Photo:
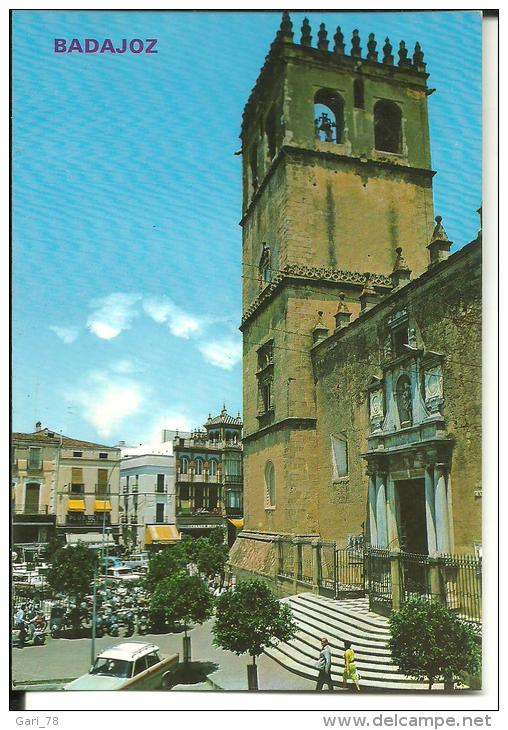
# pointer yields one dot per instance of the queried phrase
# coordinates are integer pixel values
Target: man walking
(324, 664)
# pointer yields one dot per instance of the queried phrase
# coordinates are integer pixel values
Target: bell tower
(336, 178)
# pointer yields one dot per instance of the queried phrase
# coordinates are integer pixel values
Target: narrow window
(265, 271)
(199, 466)
(340, 457)
(77, 485)
(387, 127)
(184, 465)
(102, 481)
(103, 455)
(399, 339)
(329, 116)
(159, 513)
(253, 159)
(213, 468)
(269, 485)
(34, 458)
(270, 134)
(358, 94)
(160, 483)
(77, 454)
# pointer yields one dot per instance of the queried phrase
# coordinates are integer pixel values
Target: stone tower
(336, 178)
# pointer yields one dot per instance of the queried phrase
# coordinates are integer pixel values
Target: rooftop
(47, 436)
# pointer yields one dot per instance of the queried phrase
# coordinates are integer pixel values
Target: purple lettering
(107, 46)
(123, 47)
(60, 45)
(75, 45)
(139, 46)
(89, 48)
(151, 43)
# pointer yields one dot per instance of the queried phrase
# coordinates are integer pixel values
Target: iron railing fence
(415, 575)
(350, 572)
(327, 568)
(304, 561)
(461, 580)
(378, 580)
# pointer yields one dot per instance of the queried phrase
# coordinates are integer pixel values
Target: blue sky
(127, 197)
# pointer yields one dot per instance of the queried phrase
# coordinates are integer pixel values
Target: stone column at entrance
(372, 509)
(381, 513)
(441, 501)
(393, 532)
(430, 512)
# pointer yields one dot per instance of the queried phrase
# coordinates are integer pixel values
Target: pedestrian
(350, 670)
(324, 665)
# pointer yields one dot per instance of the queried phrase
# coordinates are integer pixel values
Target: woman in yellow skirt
(350, 671)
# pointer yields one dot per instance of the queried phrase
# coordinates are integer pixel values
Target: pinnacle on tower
(387, 52)
(356, 50)
(343, 315)
(306, 39)
(404, 61)
(339, 42)
(322, 38)
(320, 331)
(439, 246)
(368, 297)
(401, 273)
(285, 32)
(418, 58)
(371, 46)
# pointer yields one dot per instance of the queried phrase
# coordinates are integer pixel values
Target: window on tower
(271, 138)
(387, 127)
(265, 270)
(358, 96)
(328, 116)
(253, 160)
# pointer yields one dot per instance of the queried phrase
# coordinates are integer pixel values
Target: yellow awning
(237, 523)
(161, 533)
(102, 505)
(76, 505)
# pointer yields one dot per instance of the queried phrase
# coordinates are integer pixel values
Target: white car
(130, 665)
(122, 573)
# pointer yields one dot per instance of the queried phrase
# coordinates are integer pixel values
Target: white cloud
(163, 311)
(223, 354)
(112, 314)
(66, 334)
(124, 367)
(106, 402)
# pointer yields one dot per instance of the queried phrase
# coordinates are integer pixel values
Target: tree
(428, 642)
(71, 572)
(250, 619)
(211, 557)
(166, 563)
(181, 598)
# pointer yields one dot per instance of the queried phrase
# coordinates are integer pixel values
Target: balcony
(234, 511)
(28, 510)
(265, 418)
(88, 520)
(204, 478)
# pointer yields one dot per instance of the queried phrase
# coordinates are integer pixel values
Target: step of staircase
(346, 619)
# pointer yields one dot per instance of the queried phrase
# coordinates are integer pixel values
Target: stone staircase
(350, 619)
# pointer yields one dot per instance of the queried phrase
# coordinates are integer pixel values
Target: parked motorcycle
(143, 622)
(32, 632)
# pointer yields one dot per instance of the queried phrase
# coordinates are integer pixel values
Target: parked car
(122, 573)
(137, 561)
(130, 665)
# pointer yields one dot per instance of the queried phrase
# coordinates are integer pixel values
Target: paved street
(65, 659)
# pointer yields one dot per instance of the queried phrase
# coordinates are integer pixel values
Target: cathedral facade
(362, 334)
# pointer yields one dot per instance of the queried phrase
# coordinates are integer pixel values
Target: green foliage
(209, 554)
(166, 563)
(216, 536)
(428, 642)
(56, 542)
(72, 570)
(251, 618)
(210, 557)
(181, 598)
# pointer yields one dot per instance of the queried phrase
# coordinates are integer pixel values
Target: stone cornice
(293, 424)
(302, 272)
